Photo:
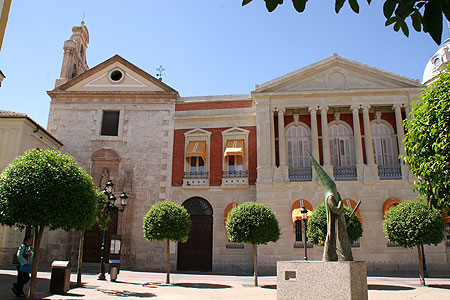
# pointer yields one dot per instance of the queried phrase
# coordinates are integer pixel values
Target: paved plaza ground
(142, 285)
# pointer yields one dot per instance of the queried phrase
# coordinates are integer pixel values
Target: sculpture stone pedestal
(321, 280)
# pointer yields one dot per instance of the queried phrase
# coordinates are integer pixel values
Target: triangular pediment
(116, 75)
(336, 73)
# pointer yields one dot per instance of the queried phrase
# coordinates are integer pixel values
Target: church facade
(212, 153)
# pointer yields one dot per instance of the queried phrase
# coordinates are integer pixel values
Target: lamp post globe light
(110, 207)
(304, 212)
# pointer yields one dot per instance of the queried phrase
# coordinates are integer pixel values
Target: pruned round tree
(316, 230)
(46, 189)
(413, 223)
(427, 142)
(253, 223)
(167, 221)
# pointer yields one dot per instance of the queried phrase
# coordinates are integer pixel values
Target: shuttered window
(384, 145)
(341, 146)
(298, 145)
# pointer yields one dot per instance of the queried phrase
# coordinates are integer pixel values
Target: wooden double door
(93, 239)
(196, 253)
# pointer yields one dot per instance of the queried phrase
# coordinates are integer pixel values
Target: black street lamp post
(111, 206)
(304, 212)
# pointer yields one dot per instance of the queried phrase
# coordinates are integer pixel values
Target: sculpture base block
(321, 280)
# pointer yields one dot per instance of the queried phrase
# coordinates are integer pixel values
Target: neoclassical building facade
(212, 153)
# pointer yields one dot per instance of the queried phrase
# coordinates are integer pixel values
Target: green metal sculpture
(337, 244)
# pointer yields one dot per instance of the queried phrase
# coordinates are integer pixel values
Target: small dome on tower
(436, 62)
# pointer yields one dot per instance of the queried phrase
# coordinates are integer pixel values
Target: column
(281, 138)
(272, 138)
(263, 140)
(325, 136)
(400, 137)
(314, 133)
(368, 136)
(399, 125)
(357, 135)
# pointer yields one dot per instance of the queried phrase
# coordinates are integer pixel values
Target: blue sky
(208, 47)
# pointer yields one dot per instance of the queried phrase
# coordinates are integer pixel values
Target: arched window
(352, 204)
(298, 144)
(389, 203)
(384, 145)
(298, 222)
(341, 146)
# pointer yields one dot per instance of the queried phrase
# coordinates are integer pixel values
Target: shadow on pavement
(383, 287)
(269, 286)
(440, 286)
(203, 285)
(126, 293)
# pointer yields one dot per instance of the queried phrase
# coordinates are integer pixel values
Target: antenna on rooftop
(82, 20)
(160, 74)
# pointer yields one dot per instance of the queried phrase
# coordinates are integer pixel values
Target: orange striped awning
(446, 217)
(234, 147)
(196, 148)
(297, 214)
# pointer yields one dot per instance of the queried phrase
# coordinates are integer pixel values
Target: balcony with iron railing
(195, 179)
(344, 173)
(300, 174)
(235, 178)
(390, 172)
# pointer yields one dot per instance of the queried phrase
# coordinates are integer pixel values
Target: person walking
(24, 258)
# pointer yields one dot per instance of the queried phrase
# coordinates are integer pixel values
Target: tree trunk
(421, 272)
(255, 266)
(80, 259)
(39, 232)
(168, 263)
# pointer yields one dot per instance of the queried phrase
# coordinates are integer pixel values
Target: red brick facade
(213, 105)
(216, 155)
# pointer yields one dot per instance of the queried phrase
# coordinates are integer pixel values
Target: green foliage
(167, 221)
(47, 188)
(425, 15)
(413, 223)
(102, 218)
(427, 142)
(316, 230)
(253, 223)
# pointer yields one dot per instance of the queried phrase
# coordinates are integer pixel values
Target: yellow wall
(16, 136)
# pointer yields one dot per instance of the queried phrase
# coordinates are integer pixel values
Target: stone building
(212, 153)
(18, 133)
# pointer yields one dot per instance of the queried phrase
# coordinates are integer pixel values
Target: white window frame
(197, 135)
(387, 157)
(304, 142)
(235, 133)
(342, 140)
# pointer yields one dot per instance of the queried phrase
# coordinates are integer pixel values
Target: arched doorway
(196, 253)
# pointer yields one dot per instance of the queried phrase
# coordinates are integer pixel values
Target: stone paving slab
(132, 285)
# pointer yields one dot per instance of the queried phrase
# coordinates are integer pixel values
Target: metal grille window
(110, 123)
(298, 231)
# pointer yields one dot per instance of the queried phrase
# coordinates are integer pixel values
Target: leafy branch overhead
(425, 15)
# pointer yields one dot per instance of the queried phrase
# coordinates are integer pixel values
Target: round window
(116, 75)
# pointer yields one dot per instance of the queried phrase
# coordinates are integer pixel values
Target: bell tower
(74, 61)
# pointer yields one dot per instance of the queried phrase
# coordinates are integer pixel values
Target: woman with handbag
(24, 258)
